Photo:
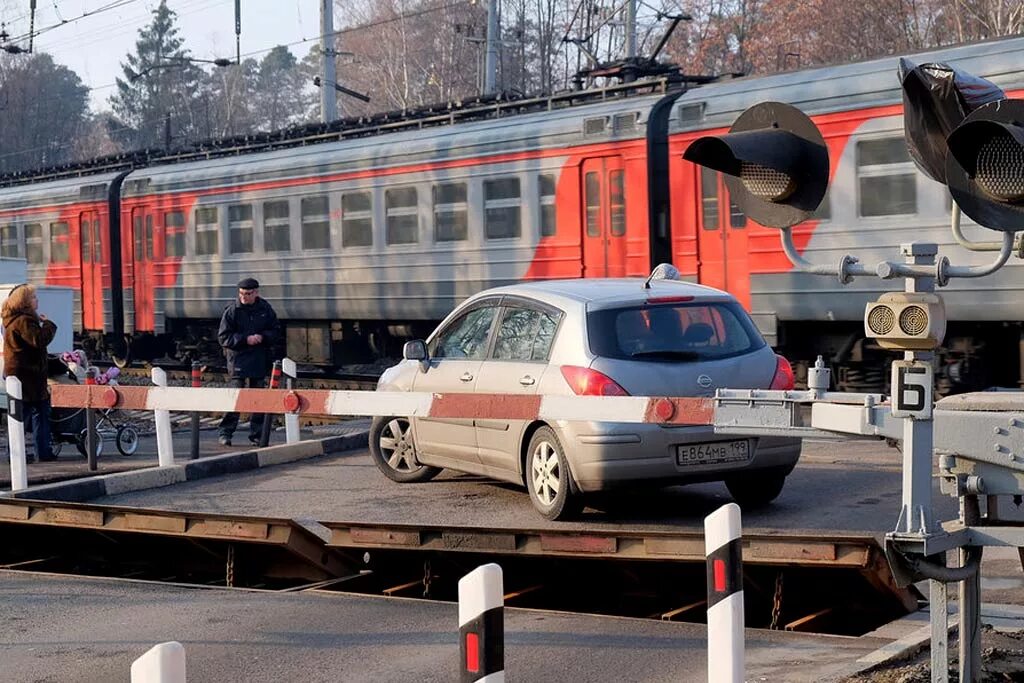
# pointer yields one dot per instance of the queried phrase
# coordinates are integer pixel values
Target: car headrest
(698, 333)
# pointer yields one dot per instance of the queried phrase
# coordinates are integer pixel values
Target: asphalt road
(90, 630)
(837, 486)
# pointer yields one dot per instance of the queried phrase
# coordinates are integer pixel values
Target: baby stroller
(67, 425)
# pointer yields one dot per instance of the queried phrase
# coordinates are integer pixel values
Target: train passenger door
(92, 270)
(604, 217)
(142, 265)
(722, 241)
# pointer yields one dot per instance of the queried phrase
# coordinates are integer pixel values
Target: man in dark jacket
(248, 330)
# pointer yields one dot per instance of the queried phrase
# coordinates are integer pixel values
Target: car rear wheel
(548, 478)
(756, 489)
(394, 451)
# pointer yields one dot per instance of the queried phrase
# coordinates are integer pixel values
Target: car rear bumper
(604, 455)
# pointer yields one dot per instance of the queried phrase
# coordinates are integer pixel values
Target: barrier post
(16, 433)
(723, 549)
(163, 663)
(164, 438)
(197, 381)
(482, 625)
(268, 418)
(291, 420)
(91, 436)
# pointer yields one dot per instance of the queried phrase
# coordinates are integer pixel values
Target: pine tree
(157, 94)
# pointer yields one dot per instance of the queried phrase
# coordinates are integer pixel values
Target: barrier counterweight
(163, 663)
(482, 626)
(723, 549)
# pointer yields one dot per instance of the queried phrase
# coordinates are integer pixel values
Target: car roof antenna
(663, 271)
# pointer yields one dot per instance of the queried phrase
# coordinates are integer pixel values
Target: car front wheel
(548, 478)
(756, 489)
(394, 451)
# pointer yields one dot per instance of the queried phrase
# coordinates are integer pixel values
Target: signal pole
(238, 31)
(631, 29)
(493, 40)
(328, 96)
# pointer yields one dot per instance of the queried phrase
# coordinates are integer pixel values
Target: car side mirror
(416, 350)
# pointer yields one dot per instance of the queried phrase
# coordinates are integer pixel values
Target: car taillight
(587, 382)
(783, 379)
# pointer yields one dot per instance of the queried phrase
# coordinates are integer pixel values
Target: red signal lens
(587, 382)
(783, 379)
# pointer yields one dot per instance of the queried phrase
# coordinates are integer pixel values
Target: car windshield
(678, 332)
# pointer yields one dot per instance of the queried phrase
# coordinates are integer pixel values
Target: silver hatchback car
(605, 337)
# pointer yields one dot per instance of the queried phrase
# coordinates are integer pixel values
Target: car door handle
(466, 377)
(526, 380)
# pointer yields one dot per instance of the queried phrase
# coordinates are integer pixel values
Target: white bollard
(291, 420)
(163, 663)
(164, 438)
(723, 548)
(482, 625)
(16, 430)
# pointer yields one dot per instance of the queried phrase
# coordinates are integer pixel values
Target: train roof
(859, 85)
(57, 192)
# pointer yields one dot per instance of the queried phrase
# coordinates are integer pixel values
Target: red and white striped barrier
(723, 549)
(163, 663)
(636, 409)
(482, 625)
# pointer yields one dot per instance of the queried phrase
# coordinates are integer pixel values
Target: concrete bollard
(291, 420)
(163, 663)
(16, 432)
(482, 625)
(723, 548)
(164, 438)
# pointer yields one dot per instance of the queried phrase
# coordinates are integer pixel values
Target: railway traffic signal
(774, 160)
(985, 165)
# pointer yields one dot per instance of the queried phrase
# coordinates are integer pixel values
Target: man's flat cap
(248, 283)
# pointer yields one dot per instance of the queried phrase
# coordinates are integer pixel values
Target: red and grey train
(375, 231)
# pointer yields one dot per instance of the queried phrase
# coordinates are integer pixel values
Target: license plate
(713, 453)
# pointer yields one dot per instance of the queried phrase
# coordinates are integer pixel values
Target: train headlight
(985, 165)
(906, 321)
(774, 160)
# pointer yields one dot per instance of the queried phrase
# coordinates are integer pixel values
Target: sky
(94, 46)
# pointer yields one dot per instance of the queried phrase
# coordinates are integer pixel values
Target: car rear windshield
(673, 332)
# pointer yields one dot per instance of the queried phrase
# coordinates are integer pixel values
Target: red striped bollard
(91, 437)
(197, 381)
(482, 625)
(723, 548)
(275, 383)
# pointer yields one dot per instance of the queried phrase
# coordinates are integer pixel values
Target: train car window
(451, 213)
(277, 226)
(137, 235)
(737, 219)
(240, 228)
(887, 180)
(34, 243)
(207, 224)
(174, 234)
(84, 231)
(149, 236)
(617, 191)
(316, 222)
(546, 199)
(357, 219)
(502, 208)
(403, 215)
(9, 241)
(59, 236)
(709, 198)
(592, 200)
